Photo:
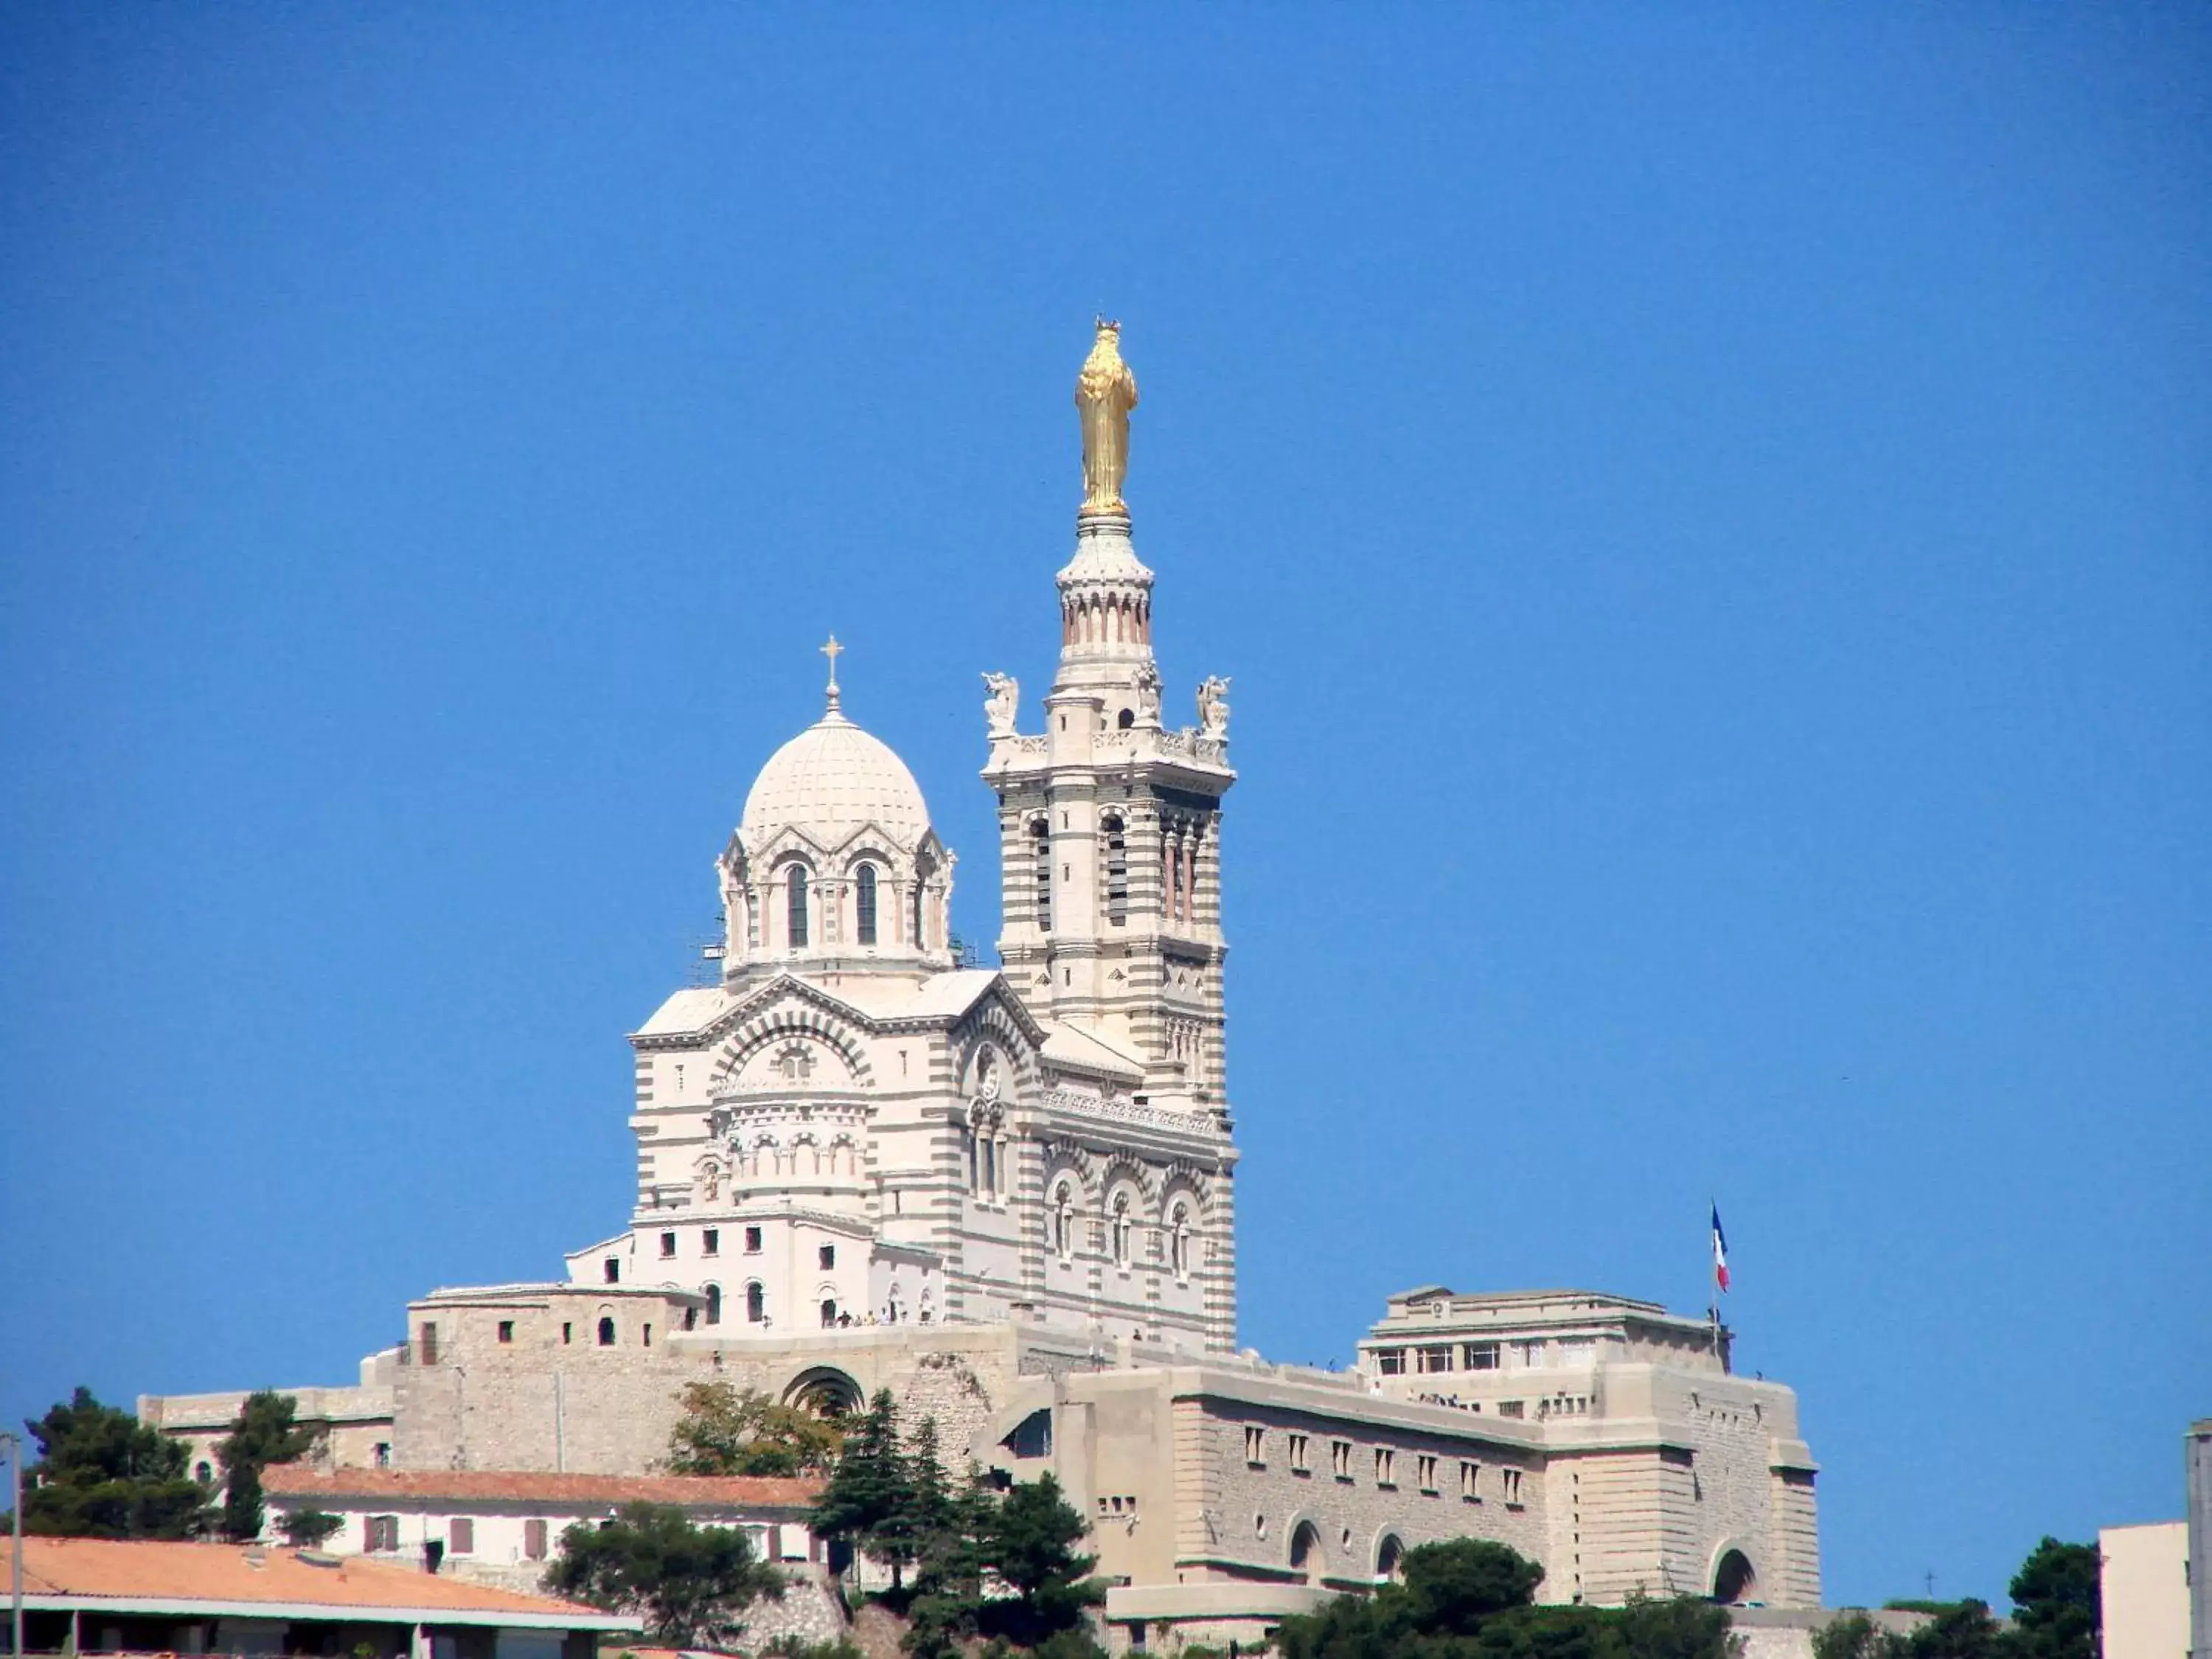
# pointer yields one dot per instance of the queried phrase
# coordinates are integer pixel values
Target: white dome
(828, 782)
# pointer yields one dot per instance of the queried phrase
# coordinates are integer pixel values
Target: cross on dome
(833, 651)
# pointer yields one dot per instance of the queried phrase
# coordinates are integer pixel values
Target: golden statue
(1105, 392)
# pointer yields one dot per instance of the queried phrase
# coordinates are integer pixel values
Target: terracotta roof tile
(139, 1570)
(520, 1486)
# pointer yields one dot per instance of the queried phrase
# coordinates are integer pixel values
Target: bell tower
(1109, 824)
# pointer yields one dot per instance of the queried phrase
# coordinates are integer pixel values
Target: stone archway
(1734, 1579)
(1307, 1557)
(825, 1391)
(1390, 1560)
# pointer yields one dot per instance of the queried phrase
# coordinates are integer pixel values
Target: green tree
(723, 1431)
(2057, 1608)
(868, 1502)
(265, 1433)
(102, 1474)
(1679, 1627)
(690, 1584)
(1854, 1636)
(307, 1530)
(1451, 1587)
(1029, 1548)
(1962, 1630)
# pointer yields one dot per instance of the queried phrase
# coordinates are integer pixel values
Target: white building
(1008, 1194)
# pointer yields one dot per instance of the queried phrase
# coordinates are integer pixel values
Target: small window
(648, 1333)
(795, 907)
(1386, 1466)
(1339, 1459)
(1256, 1446)
(755, 1303)
(380, 1533)
(1470, 1482)
(710, 1241)
(429, 1345)
(461, 1535)
(863, 904)
(668, 1244)
(1512, 1479)
(1512, 1408)
(607, 1333)
(1391, 1362)
(533, 1539)
(714, 1304)
(568, 1332)
(507, 1330)
(613, 1271)
(1480, 1356)
(1298, 1454)
(1426, 1469)
(828, 1254)
(753, 1241)
(383, 1455)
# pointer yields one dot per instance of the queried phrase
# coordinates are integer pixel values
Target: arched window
(714, 1304)
(1120, 1230)
(607, 1333)
(1117, 870)
(755, 1303)
(920, 943)
(1127, 719)
(1063, 1220)
(795, 906)
(1174, 852)
(864, 904)
(1179, 1241)
(990, 1165)
(1041, 858)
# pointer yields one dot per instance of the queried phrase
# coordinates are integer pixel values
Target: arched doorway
(1390, 1561)
(1306, 1557)
(1734, 1579)
(825, 1392)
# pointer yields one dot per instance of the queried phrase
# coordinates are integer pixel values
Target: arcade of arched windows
(1106, 619)
(767, 1157)
(876, 898)
(1182, 841)
(1124, 1227)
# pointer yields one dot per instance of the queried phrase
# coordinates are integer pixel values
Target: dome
(830, 780)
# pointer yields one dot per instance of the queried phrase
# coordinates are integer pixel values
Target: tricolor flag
(1720, 1251)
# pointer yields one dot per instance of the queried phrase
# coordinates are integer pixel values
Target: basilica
(1008, 1194)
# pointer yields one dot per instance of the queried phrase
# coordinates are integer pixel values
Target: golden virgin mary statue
(1105, 392)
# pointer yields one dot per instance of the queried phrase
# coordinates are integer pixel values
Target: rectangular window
(1436, 1359)
(383, 1455)
(1298, 1454)
(533, 1539)
(668, 1244)
(613, 1271)
(648, 1332)
(1339, 1459)
(381, 1533)
(507, 1330)
(1511, 1477)
(1470, 1482)
(1256, 1446)
(829, 1257)
(1425, 1467)
(753, 1241)
(567, 1332)
(461, 1535)
(1480, 1356)
(429, 1345)
(1391, 1361)
(1583, 1351)
(1513, 1408)
(710, 1241)
(1386, 1466)
(1530, 1353)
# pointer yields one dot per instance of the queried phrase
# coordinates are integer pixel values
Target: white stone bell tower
(1109, 825)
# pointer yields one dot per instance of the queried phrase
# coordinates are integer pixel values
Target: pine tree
(866, 1503)
(264, 1434)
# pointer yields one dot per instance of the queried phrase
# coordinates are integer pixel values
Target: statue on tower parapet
(1105, 392)
(1004, 696)
(1213, 706)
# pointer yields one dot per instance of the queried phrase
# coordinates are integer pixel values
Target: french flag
(1720, 1251)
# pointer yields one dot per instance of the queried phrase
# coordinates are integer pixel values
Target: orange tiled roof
(519, 1486)
(144, 1570)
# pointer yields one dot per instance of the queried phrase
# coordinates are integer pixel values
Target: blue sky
(1706, 512)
